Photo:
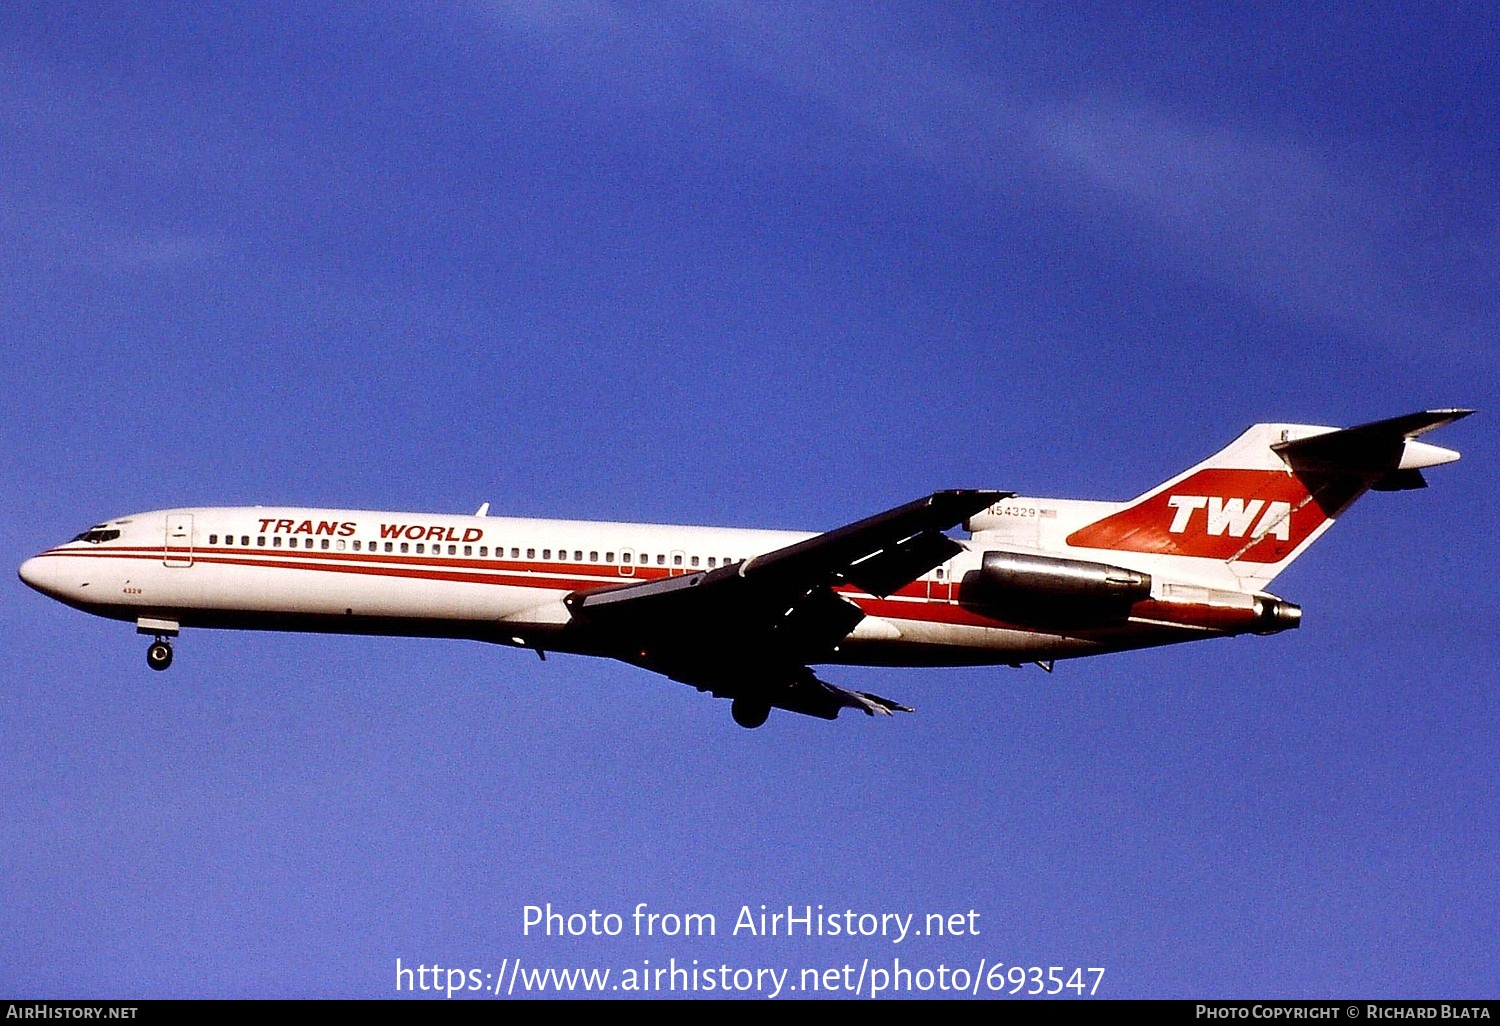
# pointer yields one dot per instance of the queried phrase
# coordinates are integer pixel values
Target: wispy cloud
(69, 146)
(1272, 217)
(51, 236)
(1301, 227)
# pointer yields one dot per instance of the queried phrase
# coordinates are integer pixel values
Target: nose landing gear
(159, 655)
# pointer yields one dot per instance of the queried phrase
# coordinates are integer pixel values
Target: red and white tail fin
(1260, 502)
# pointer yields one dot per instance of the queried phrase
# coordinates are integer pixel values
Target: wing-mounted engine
(1049, 591)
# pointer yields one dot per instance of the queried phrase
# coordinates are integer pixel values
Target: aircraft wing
(763, 620)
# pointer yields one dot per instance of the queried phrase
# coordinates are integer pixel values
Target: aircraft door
(944, 589)
(677, 563)
(179, 545)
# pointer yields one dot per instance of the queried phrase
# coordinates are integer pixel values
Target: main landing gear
(748, 712)
(159, 655)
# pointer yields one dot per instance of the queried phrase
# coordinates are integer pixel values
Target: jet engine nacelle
(1051, 591)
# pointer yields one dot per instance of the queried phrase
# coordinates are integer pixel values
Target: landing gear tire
(159, 655)
(749, 713)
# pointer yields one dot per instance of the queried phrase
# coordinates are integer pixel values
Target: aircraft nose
(40, 574)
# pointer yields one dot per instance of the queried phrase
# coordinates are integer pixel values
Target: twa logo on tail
(1259, 500)
(1255, 516)
(1233, 516)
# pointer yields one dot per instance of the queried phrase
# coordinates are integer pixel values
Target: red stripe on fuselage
(540, 576)
(911, 602)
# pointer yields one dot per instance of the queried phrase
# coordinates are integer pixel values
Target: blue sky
(763, 266)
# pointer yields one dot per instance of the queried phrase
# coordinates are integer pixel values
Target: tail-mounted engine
(1051, 591)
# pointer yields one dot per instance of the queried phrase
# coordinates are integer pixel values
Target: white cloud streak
(1300, 233)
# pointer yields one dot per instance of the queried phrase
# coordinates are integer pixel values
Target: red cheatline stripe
(422, 568)
(279, 556)
(917, 606)
(566, 573)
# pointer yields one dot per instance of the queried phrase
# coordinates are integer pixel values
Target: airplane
(746, 614)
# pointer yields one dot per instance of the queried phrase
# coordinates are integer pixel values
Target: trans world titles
(795, 921)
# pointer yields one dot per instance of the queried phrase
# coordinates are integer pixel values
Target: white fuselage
(494, 579)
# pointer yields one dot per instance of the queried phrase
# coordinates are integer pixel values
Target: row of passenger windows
(420, 548)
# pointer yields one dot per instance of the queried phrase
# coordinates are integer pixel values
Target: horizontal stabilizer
(1383, 449)
(1400, 481)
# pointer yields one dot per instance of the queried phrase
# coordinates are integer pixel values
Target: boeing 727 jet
(744, 614)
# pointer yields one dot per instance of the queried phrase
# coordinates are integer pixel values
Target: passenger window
(276, 542)
(531, 553)
(388, 547)
(356, 545)
(244, 539)
(661, 560)
(469, 550)
(609, 557)
(325, 544)
(213, 539)
(403, 547)
(940, 573)
(546, 553)
(695, 560)
(593, 557)
(712, 562)
(261, 540)
(676, 560)
(452, 550)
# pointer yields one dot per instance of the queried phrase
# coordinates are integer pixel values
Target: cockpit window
(98, 534)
